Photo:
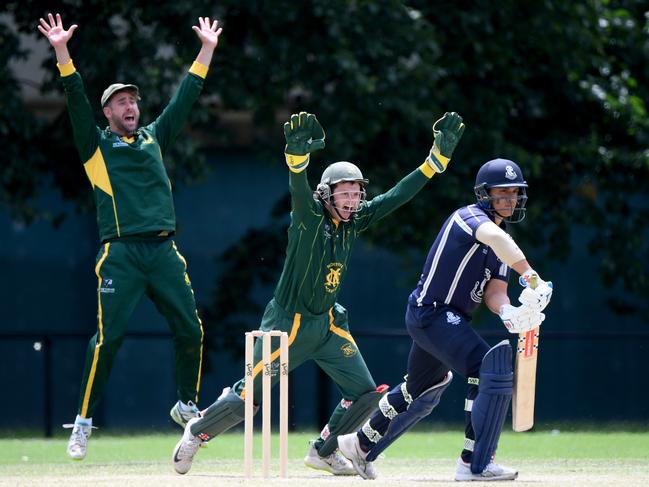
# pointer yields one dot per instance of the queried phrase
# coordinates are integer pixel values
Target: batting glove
(303, 134)
(447, 131)
(537, 292)
(519, 319)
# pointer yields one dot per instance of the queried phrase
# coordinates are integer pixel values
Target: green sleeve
(170, 122)
(84, 126)
(302, 202)
(386, 203)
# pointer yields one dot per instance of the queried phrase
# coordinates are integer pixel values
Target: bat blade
(525, 380)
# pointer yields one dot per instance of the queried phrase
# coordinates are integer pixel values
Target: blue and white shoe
(350, 447)
(181, 413)
(492, 472)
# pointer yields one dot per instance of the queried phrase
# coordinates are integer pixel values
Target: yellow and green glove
(447, 131)
(303, 134)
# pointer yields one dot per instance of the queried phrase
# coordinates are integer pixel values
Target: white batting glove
(519, 319)
(537, 292)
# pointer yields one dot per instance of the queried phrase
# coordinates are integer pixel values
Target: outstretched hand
(55, 32)
(447, 131)
(303, 134)
(207, 31)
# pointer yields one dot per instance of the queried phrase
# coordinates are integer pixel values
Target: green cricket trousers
(325, 339)
(126, 269)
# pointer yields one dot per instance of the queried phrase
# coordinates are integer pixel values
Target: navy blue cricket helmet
(501, 173)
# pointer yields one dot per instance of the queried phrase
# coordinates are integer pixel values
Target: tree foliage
(560, 87)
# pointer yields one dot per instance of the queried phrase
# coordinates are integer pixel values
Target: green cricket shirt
(130, 183)
(318, 249)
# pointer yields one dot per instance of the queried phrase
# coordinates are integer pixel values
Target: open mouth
(129, 118)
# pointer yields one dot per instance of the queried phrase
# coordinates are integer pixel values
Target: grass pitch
(544, 458)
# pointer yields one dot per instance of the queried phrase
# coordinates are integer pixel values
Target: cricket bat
(527, 352)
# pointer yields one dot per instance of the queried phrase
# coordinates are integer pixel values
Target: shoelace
(79, 436)
(82, 430)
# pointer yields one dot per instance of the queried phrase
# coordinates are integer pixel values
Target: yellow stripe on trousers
(339, 331)
(200, 360)
(291, 338)
(200, 323)
(100, 326)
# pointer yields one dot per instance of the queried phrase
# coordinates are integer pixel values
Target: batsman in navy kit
(136, 219)
(324, 227)
(469, 262)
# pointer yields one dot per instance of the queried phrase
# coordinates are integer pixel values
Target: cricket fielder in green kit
(324, 226)
(136, 219)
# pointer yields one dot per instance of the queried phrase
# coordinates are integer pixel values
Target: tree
(560, 87)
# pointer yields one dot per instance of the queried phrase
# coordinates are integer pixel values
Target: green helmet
(339, 172)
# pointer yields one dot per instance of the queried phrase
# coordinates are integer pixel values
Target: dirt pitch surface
(392, 472)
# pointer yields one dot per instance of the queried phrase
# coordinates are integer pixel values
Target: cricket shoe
(493, 471)
(78, 442)
(185, 449)
(334, 463)
(351, 448)
(181, 413)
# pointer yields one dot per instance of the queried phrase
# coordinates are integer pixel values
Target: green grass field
(543, 458)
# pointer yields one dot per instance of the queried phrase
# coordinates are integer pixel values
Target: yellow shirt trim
(98, 175)
(66, 69)
(199, 69)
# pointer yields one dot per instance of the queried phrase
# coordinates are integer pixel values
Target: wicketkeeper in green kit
(136, 218)
(324, 226)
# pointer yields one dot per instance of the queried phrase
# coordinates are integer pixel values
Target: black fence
(564, 357)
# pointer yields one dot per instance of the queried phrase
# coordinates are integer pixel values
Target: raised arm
(304, 135)
(170, 122)
(84, 125)
(447, 132)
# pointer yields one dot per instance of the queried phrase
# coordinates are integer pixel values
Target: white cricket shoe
(78, 442)
(185, 449)
(334, 463)
(182, 413)
(493, 471)
(351, 448)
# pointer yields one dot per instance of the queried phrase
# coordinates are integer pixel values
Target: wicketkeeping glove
(447, 131)
(519, 319)
(303, 134)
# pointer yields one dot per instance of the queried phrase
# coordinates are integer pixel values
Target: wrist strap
(297, 163)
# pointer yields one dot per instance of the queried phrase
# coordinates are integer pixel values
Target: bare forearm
(521, 266)
(62, 54)
(495, 301)
(204, 56)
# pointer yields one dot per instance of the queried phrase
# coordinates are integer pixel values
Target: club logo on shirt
(348, 350)
(452, 318)
(326, 231)
(332, 279)
(106, 286)
(478, 290)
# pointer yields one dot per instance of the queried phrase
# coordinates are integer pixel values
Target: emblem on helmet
(510, 173)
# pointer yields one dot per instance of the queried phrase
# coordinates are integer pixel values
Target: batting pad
(491, 404)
